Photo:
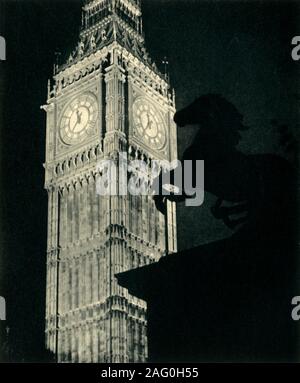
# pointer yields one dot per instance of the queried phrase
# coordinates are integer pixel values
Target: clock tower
(107, 97)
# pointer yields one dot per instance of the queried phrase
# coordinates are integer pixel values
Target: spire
(108, 21)
(95, 11)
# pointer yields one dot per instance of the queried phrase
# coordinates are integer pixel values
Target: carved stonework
(89, 317)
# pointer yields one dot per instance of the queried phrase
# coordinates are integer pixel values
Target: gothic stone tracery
(89, 318)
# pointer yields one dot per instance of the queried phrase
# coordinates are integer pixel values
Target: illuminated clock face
(78, 119)
(149, 123)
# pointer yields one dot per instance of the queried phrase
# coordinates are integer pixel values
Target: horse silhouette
(258, 186)
(252, 274)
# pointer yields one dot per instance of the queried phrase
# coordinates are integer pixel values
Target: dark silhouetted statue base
(222, 302)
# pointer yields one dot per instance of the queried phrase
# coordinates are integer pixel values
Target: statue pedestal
(217, 303)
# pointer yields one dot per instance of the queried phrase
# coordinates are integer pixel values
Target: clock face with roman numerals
(78, 119)
(148, 123)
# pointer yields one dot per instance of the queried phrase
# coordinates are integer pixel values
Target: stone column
(83, 209)
(115, 101)
(70, 215)
(95, 281)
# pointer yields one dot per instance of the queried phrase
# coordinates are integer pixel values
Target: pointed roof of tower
(108, 21)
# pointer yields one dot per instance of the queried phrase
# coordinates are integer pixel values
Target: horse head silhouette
(218, 120)
(255, 185)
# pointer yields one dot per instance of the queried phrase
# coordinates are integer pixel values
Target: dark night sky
(238, 49)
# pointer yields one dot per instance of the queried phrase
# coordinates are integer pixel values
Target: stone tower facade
(108, 97)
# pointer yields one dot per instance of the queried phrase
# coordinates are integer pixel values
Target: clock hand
(79, 117)
(76, 123)
(74, 127)
(150, 125)
(148, 121)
